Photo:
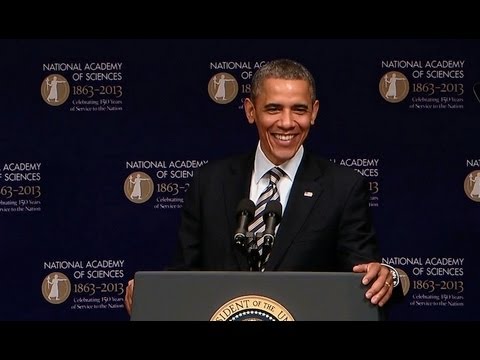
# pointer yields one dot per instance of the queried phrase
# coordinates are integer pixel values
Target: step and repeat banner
(99, 140)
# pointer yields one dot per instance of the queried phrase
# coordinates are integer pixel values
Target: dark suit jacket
(328, 231)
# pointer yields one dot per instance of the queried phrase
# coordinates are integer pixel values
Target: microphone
(245, 212)
(272, 217)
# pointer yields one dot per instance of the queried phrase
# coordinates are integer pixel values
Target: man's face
(283, 113)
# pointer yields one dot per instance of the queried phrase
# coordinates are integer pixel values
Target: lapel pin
(308, 194)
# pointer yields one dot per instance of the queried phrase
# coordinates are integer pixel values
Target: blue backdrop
(99, 139)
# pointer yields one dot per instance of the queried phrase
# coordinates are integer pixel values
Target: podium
(251, 296)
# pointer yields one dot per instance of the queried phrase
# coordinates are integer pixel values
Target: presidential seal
(252, 308)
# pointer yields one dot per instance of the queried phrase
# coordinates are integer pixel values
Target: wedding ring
(388, 284)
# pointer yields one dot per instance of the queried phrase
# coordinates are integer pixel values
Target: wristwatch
(395, 274)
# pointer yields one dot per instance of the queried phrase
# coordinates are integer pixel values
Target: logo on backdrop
(404, 280)
(55, 89)
(476, 91)
(56, 288)
(222, 88)
(471, 185)
(138, 187)
(252, 308)
(394, 86)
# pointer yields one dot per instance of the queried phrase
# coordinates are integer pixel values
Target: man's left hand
(380, 280)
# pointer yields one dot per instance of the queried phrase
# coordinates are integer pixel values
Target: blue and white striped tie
(269, 194)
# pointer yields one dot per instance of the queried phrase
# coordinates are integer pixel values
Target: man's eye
(300, 110)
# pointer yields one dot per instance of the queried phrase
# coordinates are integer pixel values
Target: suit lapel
(305, 192)
(235, 188)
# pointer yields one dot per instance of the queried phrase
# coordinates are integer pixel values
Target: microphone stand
(248, 245)
(251, 251)
(253, 255)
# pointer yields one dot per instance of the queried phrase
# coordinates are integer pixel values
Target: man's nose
(286, 120)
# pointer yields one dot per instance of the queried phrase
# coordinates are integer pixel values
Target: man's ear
(316, 106)
(249, 110)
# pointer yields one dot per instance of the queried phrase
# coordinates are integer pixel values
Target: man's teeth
(284, 137)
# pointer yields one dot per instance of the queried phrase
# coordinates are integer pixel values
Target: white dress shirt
(260, 179)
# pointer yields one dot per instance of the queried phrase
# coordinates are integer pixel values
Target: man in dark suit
(326, 223)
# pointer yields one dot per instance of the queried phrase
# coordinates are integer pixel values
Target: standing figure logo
(55, 90)
(222, 88)
(56, 288)
(394, 86)
(476, 91)
(138, 187)
(471, 185)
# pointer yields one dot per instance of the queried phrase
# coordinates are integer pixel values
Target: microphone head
(273, 208)
(246, 206)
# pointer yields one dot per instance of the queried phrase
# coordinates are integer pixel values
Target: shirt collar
(262, 164)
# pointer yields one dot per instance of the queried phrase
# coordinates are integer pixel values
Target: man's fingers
(129, 297)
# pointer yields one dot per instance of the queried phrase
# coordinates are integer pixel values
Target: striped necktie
(269, 194)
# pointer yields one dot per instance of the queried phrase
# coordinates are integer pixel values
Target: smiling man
(326, 222)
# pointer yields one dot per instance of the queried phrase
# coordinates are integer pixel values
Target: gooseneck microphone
(272, 217)
(245, 212)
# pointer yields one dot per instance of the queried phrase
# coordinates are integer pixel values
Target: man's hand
(381, 281)
(128, 301)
